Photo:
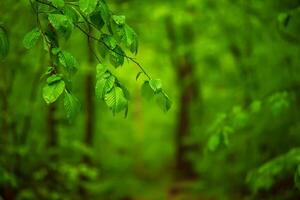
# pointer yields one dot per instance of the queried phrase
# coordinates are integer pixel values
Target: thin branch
(124, 55)
(100, 41)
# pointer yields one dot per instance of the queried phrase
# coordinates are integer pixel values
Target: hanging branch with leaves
(56, 20)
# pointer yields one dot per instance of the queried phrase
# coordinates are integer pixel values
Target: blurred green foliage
(230, 70)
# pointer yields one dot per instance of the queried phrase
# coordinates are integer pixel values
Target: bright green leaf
(116, 100)
(68, 61)
(53, 79)
(119, 19)
(87, 6)
(72, 105)
(131, 39)
(58, 3)
(61, 23)
(31, 38)
(100, 70)
(104, 85)
(71, 14)
(155, 84)
(53, 91)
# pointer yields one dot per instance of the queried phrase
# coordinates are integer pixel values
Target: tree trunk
(8, 193)
(185, 71)
(89, 100)
(51, 126)
(89, 113)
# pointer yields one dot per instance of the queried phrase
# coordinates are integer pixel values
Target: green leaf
(125, 91)
(102, 49)
(71, 14)
(61, 23)
(138, 75)
(119, 19)
(109, 41)
(289, 25)
(147, 91)
(4, 44)
(131, 39)
(118, 32)
(58, 3)
(100, 70)
(48, 72)
(213, 142)
(87, 6)
(53, 79)
(117, 57)
(255, 106)
(163, 101)
(155, 84)
(96, 19)
(104, 85)
(283, 19)
(105, 12)
(53, 91)
(68, 61)
(55, 51)
(116, 100)
(72, 105)
(31, 38)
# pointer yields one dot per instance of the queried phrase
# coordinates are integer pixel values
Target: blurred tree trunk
(4, 121)
(8, 193)
(89, 99)
(7, 130)
(89, 113)
(51, 126)
(184, 64)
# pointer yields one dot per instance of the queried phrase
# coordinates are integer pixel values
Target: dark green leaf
(117, 57)
(105, 12)
(96, 19)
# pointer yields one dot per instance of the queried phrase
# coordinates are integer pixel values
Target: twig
(100, 41)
